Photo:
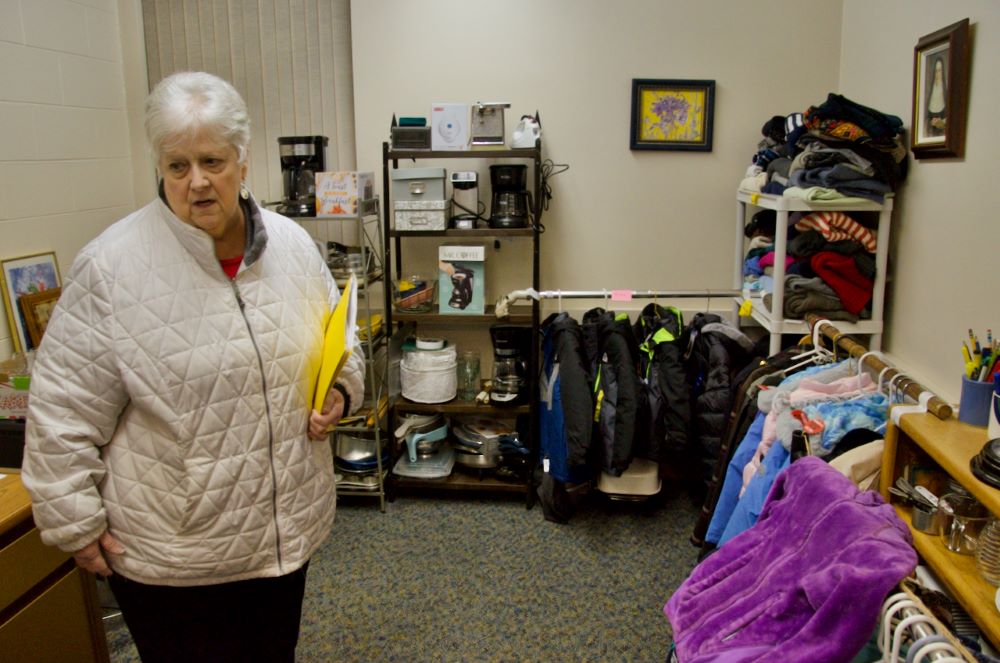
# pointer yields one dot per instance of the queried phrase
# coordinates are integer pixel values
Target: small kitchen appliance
(511, 351)
(487, 123)
(511, 198)
(464, 199)
(301, 158)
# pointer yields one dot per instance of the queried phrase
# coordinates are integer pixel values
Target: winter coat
(170, 404)
(616, 389)
(805, 583)
(567, 406)
(664, 433)
(717, 352)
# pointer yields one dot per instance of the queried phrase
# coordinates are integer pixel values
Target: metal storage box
(417, 184)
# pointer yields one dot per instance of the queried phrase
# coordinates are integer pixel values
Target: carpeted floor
(465, 579)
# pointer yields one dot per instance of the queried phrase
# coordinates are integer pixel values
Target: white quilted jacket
(170, 405)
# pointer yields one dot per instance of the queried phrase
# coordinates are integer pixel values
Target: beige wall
(945, 237)
(619, 219)
(65, 159)
(72, 159)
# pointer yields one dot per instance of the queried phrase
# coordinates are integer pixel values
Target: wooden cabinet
(48, 607)
(941, 450)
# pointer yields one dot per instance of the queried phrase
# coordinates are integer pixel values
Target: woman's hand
(91, 557)
(333, 410)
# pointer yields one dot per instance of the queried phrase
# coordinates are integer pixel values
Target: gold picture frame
(22, 276)
(37, 309)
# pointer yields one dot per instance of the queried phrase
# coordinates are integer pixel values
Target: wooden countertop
(15, 504)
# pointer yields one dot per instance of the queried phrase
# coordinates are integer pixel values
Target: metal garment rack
(877, 362)
(874, 360)
(504, 302)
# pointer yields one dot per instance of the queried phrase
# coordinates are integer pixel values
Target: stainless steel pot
(423, 434)
(468, 458)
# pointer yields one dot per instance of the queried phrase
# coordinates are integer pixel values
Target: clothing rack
(503, 304)
(925, 631)
(877, 362)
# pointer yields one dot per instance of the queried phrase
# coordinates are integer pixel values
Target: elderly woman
(170, 441)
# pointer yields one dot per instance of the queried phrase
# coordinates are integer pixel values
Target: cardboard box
(338, 192)
(462, 279)
(417, 184)
(421, 214)
(450, 127)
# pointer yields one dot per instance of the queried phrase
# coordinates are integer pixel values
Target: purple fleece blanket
(805, 583)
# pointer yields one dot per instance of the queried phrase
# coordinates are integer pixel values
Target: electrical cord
(549, 169)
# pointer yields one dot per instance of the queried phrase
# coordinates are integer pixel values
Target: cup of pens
(974, 406)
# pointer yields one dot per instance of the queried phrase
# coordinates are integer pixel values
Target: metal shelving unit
(528, 315)
(371, 419)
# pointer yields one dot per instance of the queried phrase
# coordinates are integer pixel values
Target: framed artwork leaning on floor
(940, 92)
(37, 309)
(24, 276)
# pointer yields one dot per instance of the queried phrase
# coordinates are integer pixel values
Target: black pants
(250, 620)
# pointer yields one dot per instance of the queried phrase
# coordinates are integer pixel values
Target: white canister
(428, 376)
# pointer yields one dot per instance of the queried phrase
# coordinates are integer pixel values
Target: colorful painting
(672, 114)
(23, 276)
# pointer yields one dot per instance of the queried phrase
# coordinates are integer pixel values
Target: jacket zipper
(267, 410)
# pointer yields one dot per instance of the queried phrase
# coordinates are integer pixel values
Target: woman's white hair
(185, 102)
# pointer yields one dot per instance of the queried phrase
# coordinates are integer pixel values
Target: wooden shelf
(477, 232)
(950, 445)
(459, 480)
(953, 445)
(960, 575)
(518, 315)
(481, 152)
(460, 407)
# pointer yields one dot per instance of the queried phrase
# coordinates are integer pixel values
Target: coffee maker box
(461, 279)
(338, 193)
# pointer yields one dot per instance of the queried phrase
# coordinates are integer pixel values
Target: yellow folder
(338, 341)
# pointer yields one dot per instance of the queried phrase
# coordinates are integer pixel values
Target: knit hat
(774, 129)
(763, 222)
(794, 128)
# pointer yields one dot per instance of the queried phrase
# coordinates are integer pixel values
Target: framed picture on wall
(672, 114)
(25, 276)
(37, 309)
(940, 92)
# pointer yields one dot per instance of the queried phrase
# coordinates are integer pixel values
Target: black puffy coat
(717, 351)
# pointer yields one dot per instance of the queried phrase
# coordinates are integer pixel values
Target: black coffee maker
(461, 287)
(511, 198)
(511, 352)
(301, 158)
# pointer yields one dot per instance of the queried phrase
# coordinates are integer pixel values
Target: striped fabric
(837, 226)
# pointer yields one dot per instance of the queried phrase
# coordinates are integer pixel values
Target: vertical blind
(290, 59)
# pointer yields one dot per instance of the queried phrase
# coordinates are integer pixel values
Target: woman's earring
(244, 194)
